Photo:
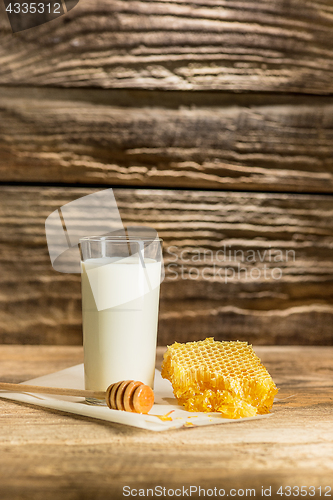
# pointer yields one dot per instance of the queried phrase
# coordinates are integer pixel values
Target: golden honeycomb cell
(225, 377)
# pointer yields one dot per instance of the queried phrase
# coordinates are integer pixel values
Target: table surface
(48, 454)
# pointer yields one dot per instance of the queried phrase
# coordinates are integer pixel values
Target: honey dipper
(127, 395)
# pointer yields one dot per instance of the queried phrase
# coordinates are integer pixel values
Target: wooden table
(52, 455)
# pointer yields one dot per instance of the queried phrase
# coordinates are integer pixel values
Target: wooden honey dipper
(127, 395)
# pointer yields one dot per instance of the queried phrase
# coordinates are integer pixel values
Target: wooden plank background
(265, 45)
(295, 306)
(213, 122)
(182, 140)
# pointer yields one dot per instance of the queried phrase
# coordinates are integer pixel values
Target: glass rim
(120, 239)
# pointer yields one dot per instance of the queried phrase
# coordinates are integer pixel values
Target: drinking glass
(120, 278)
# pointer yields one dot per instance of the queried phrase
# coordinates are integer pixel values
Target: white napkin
(165, 402)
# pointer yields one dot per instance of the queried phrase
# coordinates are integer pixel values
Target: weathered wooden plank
(203, 141)
(261, 46)
(257, 267)
(20, 362)
(50, 455)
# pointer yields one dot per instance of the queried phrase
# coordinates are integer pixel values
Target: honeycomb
(225, 377)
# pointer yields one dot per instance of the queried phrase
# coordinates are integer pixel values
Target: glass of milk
(121, 278)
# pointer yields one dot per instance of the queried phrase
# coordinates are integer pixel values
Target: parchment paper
(165, 403)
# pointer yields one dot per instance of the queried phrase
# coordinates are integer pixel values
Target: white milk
(119, 341)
